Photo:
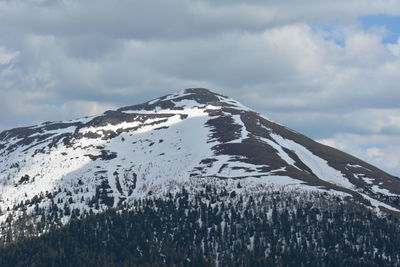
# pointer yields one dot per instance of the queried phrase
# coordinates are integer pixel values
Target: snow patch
(318, 165)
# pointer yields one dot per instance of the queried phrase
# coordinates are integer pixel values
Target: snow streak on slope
(318, 166)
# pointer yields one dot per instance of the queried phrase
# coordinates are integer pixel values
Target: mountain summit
(189, 139)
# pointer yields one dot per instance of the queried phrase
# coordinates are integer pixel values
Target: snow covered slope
(180, 139)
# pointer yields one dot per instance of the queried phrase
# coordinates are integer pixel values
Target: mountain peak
(187, 138)
(198, 91)
(194, 142)
(187, 98)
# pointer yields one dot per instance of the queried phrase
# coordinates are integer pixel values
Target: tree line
(212, 227)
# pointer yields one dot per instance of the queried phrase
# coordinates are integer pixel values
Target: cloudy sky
(328, 69)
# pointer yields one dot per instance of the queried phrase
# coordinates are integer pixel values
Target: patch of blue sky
(390, 23)
(329, 32)
(368, 146)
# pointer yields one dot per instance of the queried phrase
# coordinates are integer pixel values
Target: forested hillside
(275, 228)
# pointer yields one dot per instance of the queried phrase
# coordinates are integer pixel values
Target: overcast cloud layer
(313, 67)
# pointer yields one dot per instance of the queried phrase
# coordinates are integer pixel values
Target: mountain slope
(190, 138)
(277, 229)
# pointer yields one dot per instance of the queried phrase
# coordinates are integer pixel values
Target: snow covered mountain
(191, 138)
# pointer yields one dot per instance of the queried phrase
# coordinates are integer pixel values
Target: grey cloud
(90, 47)
(264, 66)
(157, 19)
